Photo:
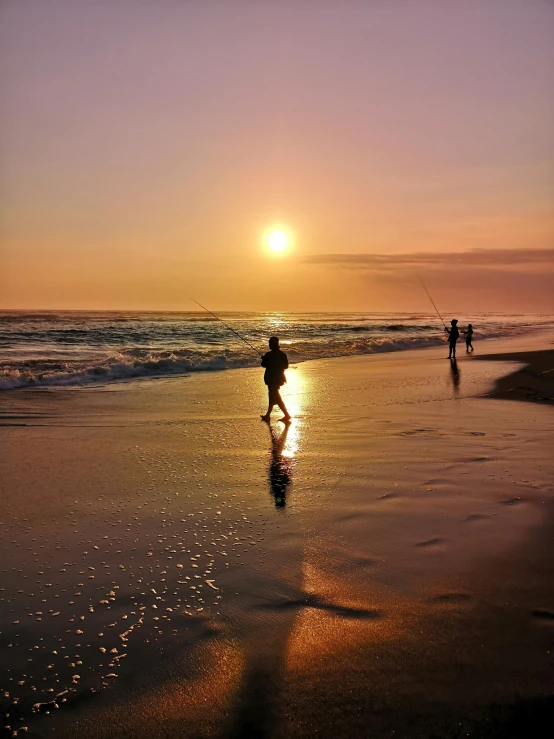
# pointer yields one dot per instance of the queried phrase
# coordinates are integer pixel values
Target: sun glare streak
(294, 402)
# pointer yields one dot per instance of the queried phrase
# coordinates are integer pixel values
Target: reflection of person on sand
(455, 372)
(280, 470)
(469, 336)
(275, 362)
(453, 336)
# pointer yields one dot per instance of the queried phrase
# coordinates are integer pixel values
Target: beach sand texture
(173, 567)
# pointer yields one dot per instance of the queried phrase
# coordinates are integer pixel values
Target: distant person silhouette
(280, 468)
(453, 336)
(275, 362)
(469, 337)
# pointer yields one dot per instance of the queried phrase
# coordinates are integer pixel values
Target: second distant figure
(469, 337)
(453, 336)
(275, 362)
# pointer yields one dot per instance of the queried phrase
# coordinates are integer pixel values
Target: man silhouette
(275, 362)
(453, 336)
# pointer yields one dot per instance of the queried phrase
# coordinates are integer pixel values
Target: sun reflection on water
(294, 400)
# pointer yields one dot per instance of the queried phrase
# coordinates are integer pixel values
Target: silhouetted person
(453, 336)
(275, 362)
(280, 472)
(469, 337)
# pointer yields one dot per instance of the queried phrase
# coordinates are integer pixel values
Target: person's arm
(264, 360)
(285, 361)
(447, 330)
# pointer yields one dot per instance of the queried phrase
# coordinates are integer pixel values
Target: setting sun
(278, 240)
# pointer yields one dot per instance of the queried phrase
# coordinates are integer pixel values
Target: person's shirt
(469, 334)
(453, 334)
(275, 363)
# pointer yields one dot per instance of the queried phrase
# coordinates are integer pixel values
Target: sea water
(78, 348)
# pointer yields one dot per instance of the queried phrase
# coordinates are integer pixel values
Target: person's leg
(282, 406)
(270, 403)
(454, 351)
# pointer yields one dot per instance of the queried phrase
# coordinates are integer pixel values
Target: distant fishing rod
(229, 327)
(431, 299)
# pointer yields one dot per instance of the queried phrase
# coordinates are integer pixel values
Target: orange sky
(147, 147)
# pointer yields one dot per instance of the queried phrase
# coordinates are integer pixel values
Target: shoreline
(533, 382)
(521, 349)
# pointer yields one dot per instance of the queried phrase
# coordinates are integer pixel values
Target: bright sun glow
(277, 240)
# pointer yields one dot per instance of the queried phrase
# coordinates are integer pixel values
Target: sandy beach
(195, 198)
(382, 567)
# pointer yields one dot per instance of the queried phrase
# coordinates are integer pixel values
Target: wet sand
(173, 567)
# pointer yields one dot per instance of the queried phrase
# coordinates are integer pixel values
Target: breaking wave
(135, 364)
(112, 369)
(64, 348)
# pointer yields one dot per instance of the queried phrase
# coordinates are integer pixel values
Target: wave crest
(136, 363)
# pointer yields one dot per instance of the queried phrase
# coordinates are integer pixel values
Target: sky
(147, 147)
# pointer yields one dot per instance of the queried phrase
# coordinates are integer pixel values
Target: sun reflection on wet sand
(338, 616)
(296, 395)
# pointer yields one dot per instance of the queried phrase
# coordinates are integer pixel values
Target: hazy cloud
(495, 258)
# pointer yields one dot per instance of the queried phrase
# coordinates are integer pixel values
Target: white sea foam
(112, 369)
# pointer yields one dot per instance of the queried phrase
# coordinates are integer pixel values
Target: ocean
(46, 348)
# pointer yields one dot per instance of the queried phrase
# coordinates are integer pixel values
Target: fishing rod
(226, 326)
(431, 299)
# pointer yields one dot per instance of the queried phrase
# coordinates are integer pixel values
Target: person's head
(470, 326)
(274, 342)
(454, 321)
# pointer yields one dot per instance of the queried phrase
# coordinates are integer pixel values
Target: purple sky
(147, 145)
